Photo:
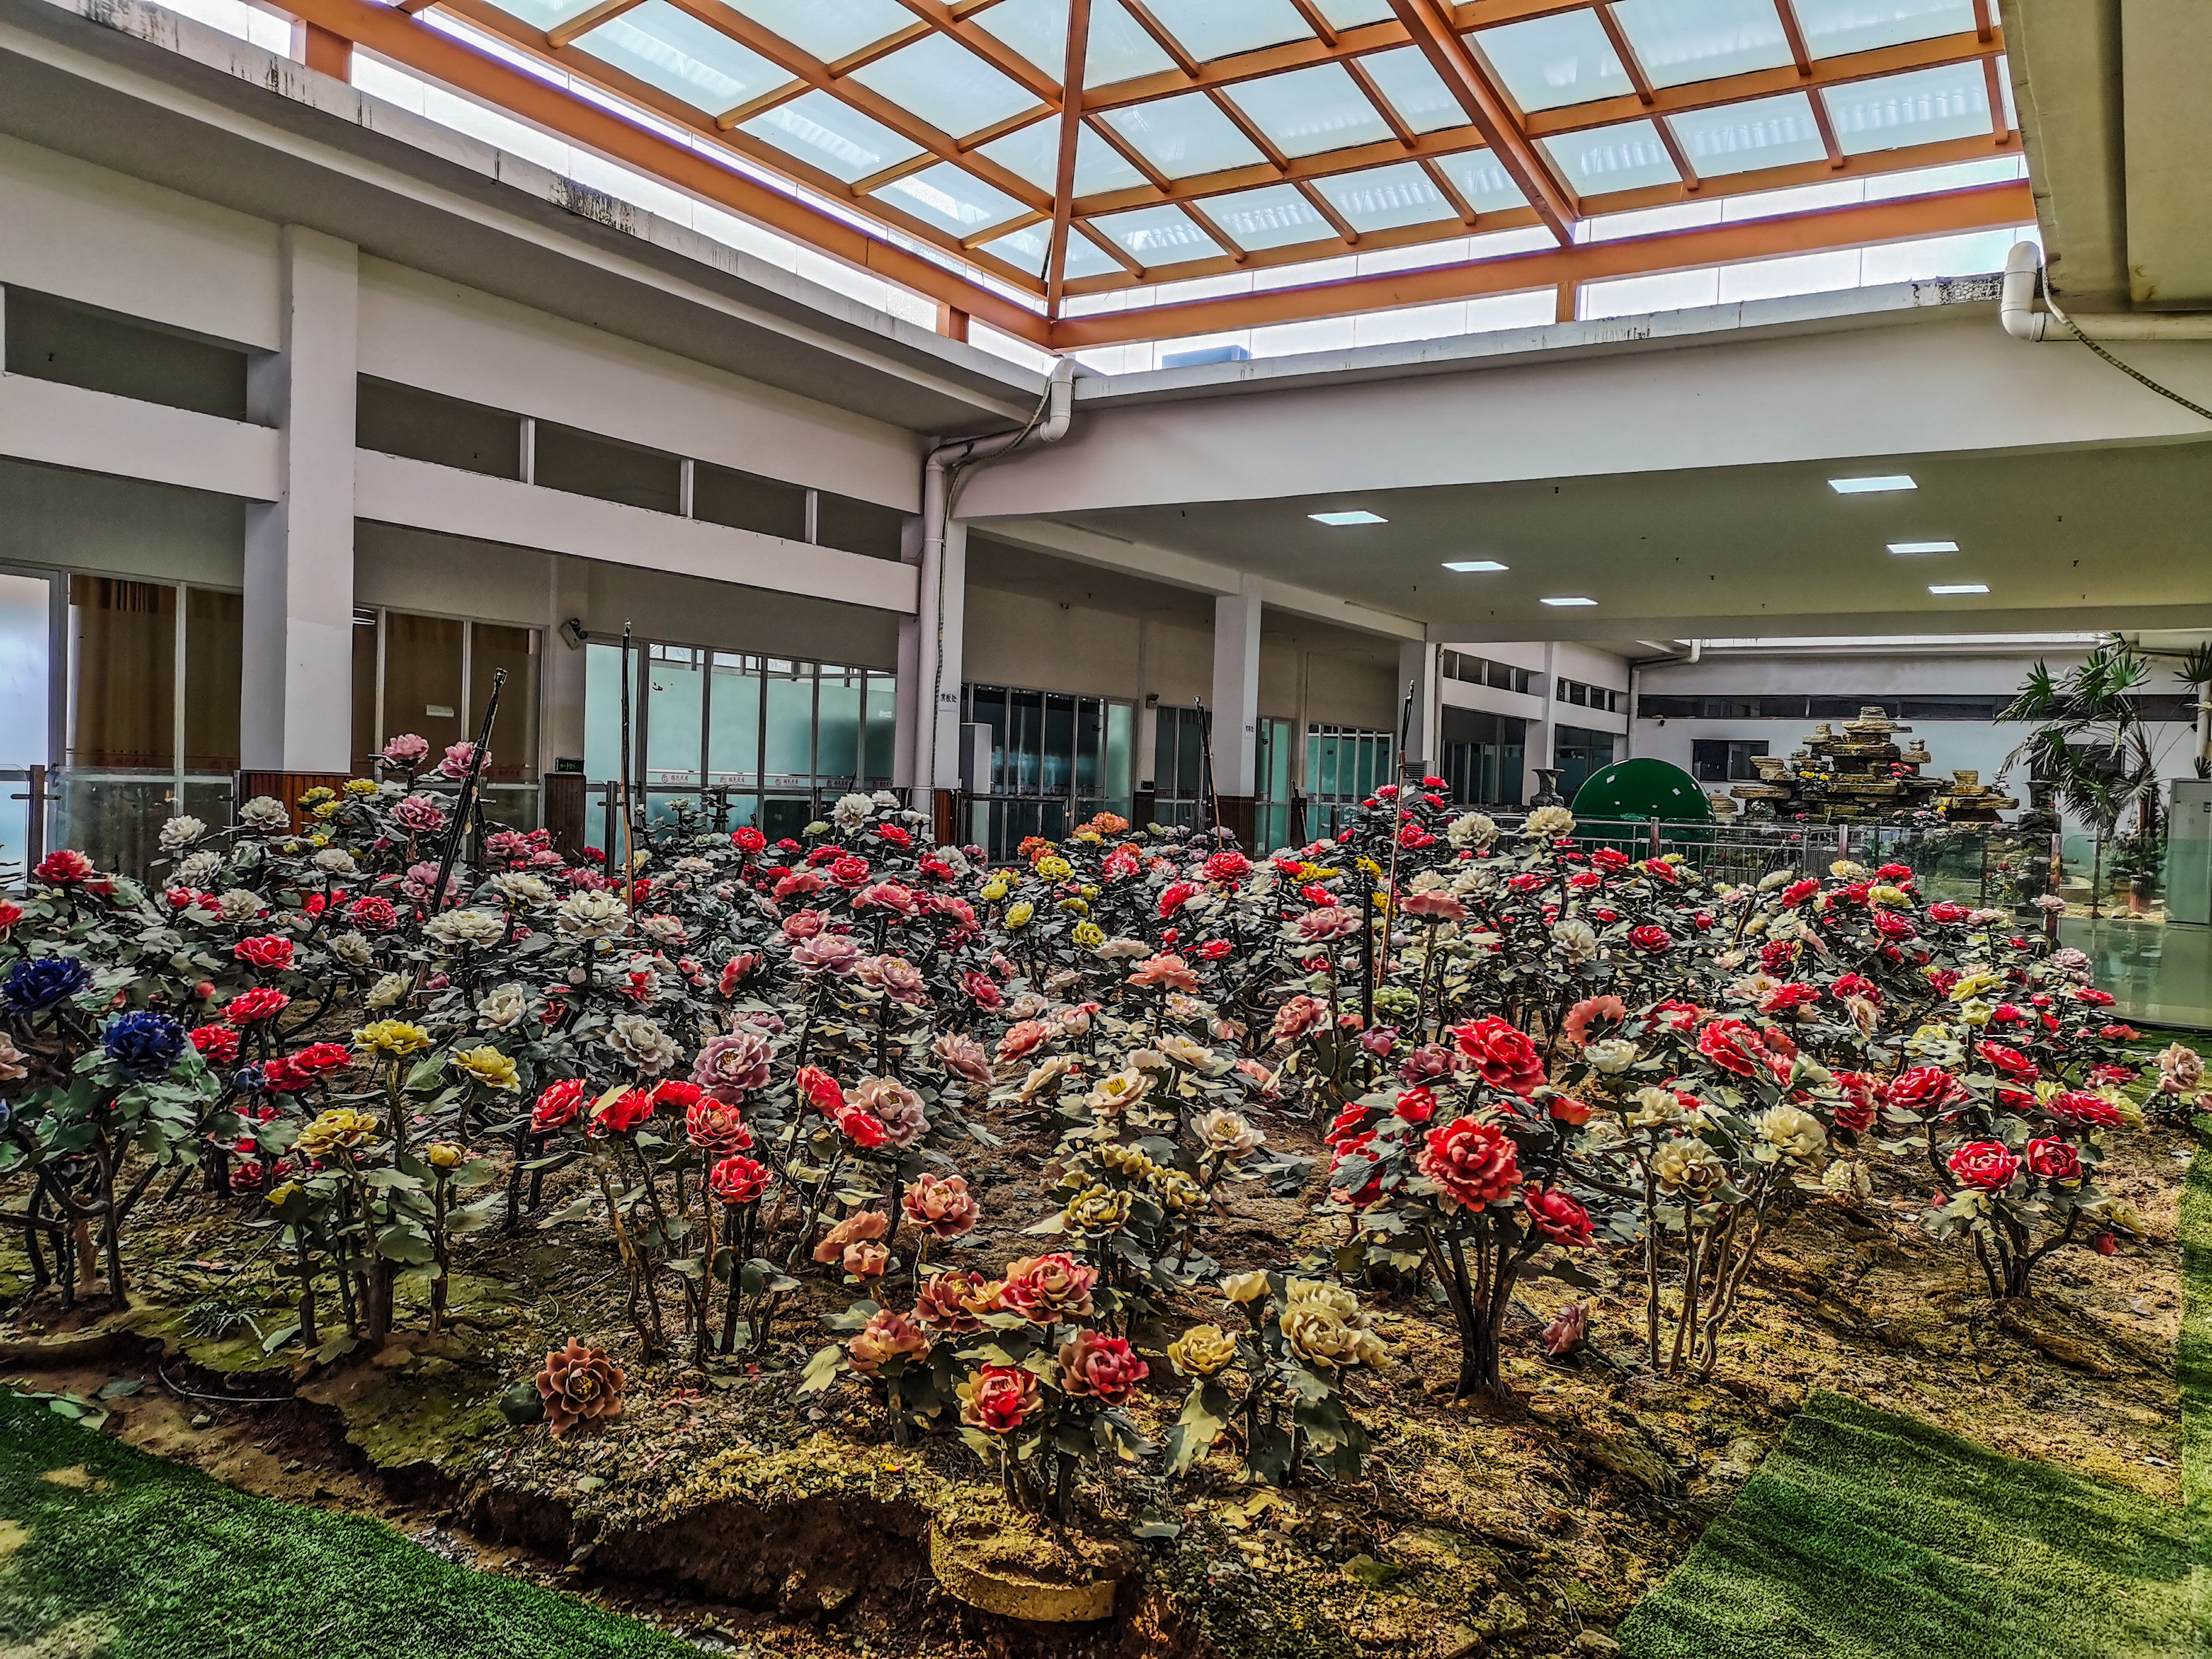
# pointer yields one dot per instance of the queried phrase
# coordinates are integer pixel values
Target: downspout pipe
(939, 480)
(2017, 310)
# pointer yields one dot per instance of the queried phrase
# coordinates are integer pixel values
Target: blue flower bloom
(249, 1079)
(38, 982)
(144, 1045)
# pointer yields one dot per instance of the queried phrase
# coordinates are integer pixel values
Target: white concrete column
(1235, 700)
(939, 677)
(1540, 738)
(1417, 667)
(906, 717)
(296, 690)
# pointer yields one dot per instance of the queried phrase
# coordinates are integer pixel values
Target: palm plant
(2091, 747)
(2196, 673)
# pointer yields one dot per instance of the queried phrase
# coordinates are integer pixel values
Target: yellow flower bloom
(1018, 914)
(326, 810)
(1075, 907)
(310, 797)
(443, 1155)
(1973, 985)
(392, 1036)
(282, 1195)
(339, 1129)
(488, 1066)
(1244, 1287)
(1053, 867)
(1088, 936)
(361, 786)
(1089, 835)
(994, 890)
(1202, 1350)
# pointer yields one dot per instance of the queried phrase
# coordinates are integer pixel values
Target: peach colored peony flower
(954, 1303)
(886, 1337)
(942, 1205)
(1164, 973)
(866, 1260)
(999, 1397)
(963, 1057)
(1021, 1037)
(1047, 1288)
(860, 1225)
(892, 1104)
(579, 1384)
(1101, 1366)
(1589, 1012)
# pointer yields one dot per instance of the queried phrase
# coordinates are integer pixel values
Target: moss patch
(160, 1560)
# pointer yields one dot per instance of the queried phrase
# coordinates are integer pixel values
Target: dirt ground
(718, 1509)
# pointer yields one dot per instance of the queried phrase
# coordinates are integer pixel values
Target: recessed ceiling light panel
(1871, 486)
(1923, 547)
(1472, 564)
(1361, 517)
(1957, 587)
(1573, 599)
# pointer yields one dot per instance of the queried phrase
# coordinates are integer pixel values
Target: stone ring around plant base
(981, 1571)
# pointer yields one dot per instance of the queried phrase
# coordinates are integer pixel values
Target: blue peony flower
(38, 982)
(144, 1045)
(249, 1079)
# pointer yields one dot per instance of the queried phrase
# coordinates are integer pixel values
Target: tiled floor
(2162, 972)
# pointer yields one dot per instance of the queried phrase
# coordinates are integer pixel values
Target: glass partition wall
(778, 738)
(433, 676)
(1056, 760)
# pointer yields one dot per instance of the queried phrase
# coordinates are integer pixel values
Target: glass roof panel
(947, 85)
(1157, 236)
(1036, 28)
(1274, 217)
(1033, 153)
(827, 28)
(1835, 26)
(1627, 156)
(672, 50)
(1477, 175)
(1207, 29)
(545, 13)
(1184, 135)
(1307, 111)
(1547, 62)
(831, 135)
(1682, 40)
(1118, 50)
(1383, 198)
(1024, 249)
(1086, 258)
(951, 198)
(1923, 107)
(1765, 132)
(1415, 91)
(1350, 13)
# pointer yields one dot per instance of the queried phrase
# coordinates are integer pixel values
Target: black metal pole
(468, 800)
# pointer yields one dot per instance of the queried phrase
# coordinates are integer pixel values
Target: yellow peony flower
(1075, 907)
(1019, 912)
(318, 793)
(1973, 985)
(326, 810)
(392, 1036)
(994, 890)
(361, 786)
(1053, 867)
(488, 1066)
(339, 1129)
(443, 1155)
(1202, 1350)
(1244, 1287)
(1088, 936)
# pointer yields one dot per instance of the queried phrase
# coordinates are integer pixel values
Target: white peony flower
(197, 867)
(336, 861)
(238, 905)
(851, 812)
(1226, 1132)
(388, 991)
(1656, 1108)
(1791, 1131)
(954, 860)
(883, 797)
(590, 915)
(521, 887)
(1611, 1055)
(181, 831)
(1471, 829)
(351, 949)
(642, 1043)
(478, 927)
(1576, 940)
(265, 812)
(1846, 1178)
(1549, 822)
(502, 1007)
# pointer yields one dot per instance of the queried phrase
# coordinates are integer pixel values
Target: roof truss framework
(1422, 123)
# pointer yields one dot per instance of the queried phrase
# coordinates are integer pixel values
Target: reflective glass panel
(1273, 216)
(1350, 13)
(880, 729)
(790, 720)
(1547, 62)
(545, 13)
(1623, 157)
(1058, 748)
(422, 679)
(1119, 722)
(675, 710)
(833, 136)
(1033, 153)
(733, 712)
(515, 733)
(602, 712)
(1025, 249)
(1415, 91)
(214, 643)
(1833, 27)
(951, 198)
(829, 28)
(672, 50)
(947, 85)
(1767, 133)
(1477, 175)
(1679, 40)
(837, 737)
(122, 673)
(1381, 198)
(26, 630)
(1310, 110)
(1216, 28)
(1036, 28)
(1184, 136)
(1086, 259)
(1157, 236)
(1119, 49)
(1923, 107)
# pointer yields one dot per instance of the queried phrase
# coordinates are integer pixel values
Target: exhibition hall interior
(1138, 829)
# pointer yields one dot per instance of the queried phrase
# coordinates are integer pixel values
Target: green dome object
(1640, 789)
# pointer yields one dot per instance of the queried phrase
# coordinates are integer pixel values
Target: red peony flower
(982, 990)
(1947, 913)
(252, 1007)
(1558, 1217)
(2010, 1061)
(1798, 891)
(1173, 896)
(1416, 1105)
(715, 1127)
(1651, 937)
(2053, 1160)
(624, 1113)
(217, 1043)
(2083, 1110)
(1925, 1089)
(1473, 1163)
(1985, 1164)
(319, 1057)
(1569, 1110)
(747, 839)
(1503, 1055)
(1856, 1110)
(998, 1398)
(849, 870)
(63, 867)
(557, 1107)
(1731, 1045)
(1047, 1288)
(738, 1179)
(1104, 1367)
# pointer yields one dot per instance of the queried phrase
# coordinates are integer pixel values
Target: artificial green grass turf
(1866, 1536)
(163, 1563)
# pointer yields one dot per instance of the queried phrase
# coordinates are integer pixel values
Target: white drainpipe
(2016, 309)
(1058, 409)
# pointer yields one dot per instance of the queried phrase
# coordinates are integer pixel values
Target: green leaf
(1196, 1428)
(278, 1338)
(821, 1371)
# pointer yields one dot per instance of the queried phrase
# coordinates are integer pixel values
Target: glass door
(26, 682)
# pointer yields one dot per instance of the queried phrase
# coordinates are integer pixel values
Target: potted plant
(2137, 863)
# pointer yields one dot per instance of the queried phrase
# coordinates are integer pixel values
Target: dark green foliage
(137, 1558)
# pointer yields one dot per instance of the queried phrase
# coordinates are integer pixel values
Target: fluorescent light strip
(1959, 587)
(1464, 565)
(1871, 486)
(1360, 517)
(1923, 547)
(1570, 599)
